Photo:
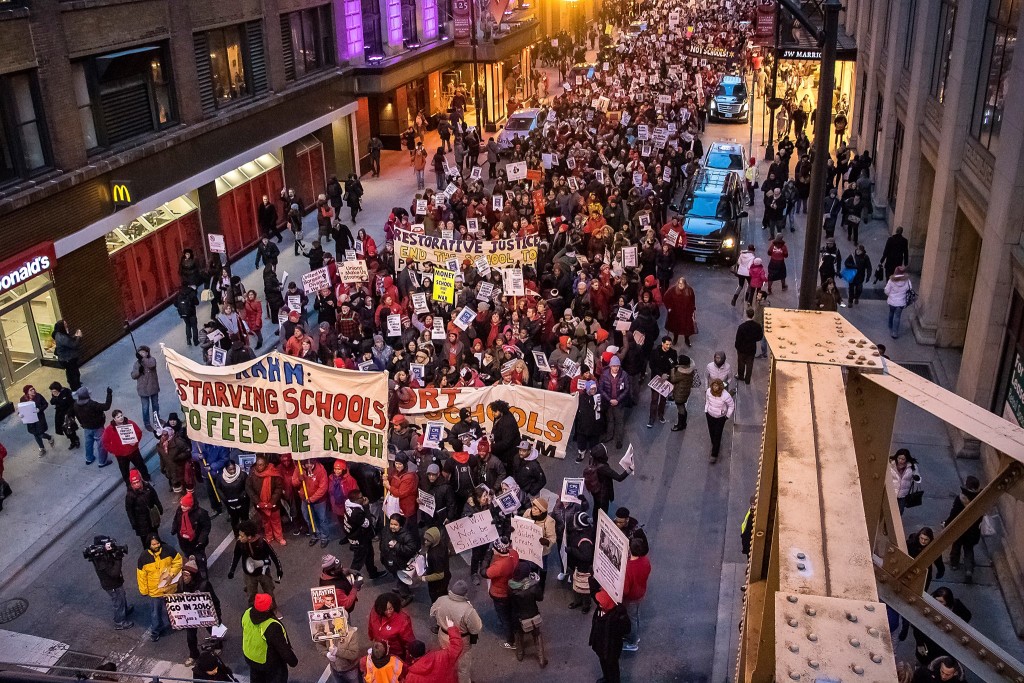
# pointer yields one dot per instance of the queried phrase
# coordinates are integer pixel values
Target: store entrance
(26, 331)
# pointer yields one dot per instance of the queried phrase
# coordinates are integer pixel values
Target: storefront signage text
(25, 266)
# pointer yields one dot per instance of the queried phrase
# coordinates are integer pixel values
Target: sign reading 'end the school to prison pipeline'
(278, 403)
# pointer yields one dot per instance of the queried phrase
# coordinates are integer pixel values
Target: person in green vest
(265, 643)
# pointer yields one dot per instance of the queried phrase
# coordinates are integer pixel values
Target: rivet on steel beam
(937, 618)
(791, 598)
(873, 631)
(1000, 666)
(813, 663)
(947, 628)
(927, 610)
(877, 659)
(801, 556)
(912, 599)
(854, 642)
(792, 622)
(964, 640)
(812, 637)
(857, 669)
(801, 566)
(870, 608)
(850, 616)
(982, 652)
(794, 648)
(794, 676)
(811, 611)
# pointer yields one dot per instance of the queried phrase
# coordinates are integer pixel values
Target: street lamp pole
(822, 128)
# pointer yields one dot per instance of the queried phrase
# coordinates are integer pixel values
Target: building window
(308, 41)
(897, 158)
(23, 148)
(429, 19)
(373, 36)
(394, 9)
(353, 28)
(227, 65)
(908, 34)
(943, 49)
(994, 72)
(410, 32)
(123, 94)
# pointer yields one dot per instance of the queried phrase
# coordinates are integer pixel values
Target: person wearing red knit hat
(265, 643)
(609, 628)
(191, 527)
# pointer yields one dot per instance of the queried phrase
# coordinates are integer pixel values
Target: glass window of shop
(28, 313)
(148, 223)
(1008, 400)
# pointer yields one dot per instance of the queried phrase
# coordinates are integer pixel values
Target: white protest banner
(645, 151)
(516, 170)
(547, 159)
(278, 403)
(448, 234)
(485, 292)
(451, 189)
(191, 610)
(421, 207)
(216, 335)
(570, 368)
(469, 532)
(643, 132)
(473, 225)
(464, 318)
(359, 248)
(417, 371)
(672, 237)
(516, 251)
(526, 540)
(218, 356)
(610, 556)
(544, 417)
(433, 434)
(497, 202)
(513, 283)
(315, 280)
(295, 303)
(126, 433)
(419, 302)
(437, 331)
(638, 178)
(570, 163)
(662, 386)
(351, 255)
(664, 99)
(599, 176)
(426, 502)
(324, 597)
(353, 271)
(629, 257)
(476, 173)
(541, 361)
(216, 243)
(572, 490)
(667, 174)
(394, 325)
(627, 462)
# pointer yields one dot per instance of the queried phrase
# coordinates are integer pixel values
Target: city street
(691, 509)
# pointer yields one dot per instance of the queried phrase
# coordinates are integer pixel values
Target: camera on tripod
(104, 547)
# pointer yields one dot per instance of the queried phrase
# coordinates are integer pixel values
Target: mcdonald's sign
(121, 193)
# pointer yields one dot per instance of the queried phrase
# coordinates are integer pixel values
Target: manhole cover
(12, 609)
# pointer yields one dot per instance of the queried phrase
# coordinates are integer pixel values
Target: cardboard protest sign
(324, 597)
(325, 625)
(191, 610)
(473, 225)
(485, 292)
(421, 207)
(662, 386)
(629, 257)
(541, 361)
(547, 159)
(611, 553)
(437, 250)
(526, 540)
(627, 462)
(295, 303)
(126, 433)
(28, 412)
(315, 280)
(476, 173)
(544, 417)
(516, 170)
(497, 203)
(426, 502)
(572, 490)
(437, 332)
(353, 271)
(444, 286)
(278, 403)
(416, 371)
(419, 302)
(218, 356)
(464, 318)
(394, 322)
(508, 502)
(469, 532)
(216, 242)
(512, 282)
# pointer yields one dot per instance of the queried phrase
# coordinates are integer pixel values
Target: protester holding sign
(192, 583)
(121, 438)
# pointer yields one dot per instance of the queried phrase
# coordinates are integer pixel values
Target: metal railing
(23, 674)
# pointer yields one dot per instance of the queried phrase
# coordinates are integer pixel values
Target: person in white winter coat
(903, 470)
(743, 263)
(897, 289)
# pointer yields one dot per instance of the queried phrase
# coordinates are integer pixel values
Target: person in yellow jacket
(158, 572)
(265, 643)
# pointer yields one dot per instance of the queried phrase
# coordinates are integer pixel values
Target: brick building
(131, 129)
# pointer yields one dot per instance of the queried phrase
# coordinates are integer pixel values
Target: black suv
(712, 212)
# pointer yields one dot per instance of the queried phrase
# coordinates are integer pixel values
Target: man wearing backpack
(600, 478)
(186, 304)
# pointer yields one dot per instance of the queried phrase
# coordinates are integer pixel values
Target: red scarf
(186, 531)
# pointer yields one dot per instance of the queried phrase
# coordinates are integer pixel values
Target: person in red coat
(404, 485)
(310, 482)
(436, 666)
(638, 571)
(681, 304)
(390, 625)
(124, 447)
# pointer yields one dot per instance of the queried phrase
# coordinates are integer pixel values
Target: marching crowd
(600, 316)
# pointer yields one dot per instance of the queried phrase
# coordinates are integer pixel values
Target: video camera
(104, 547)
